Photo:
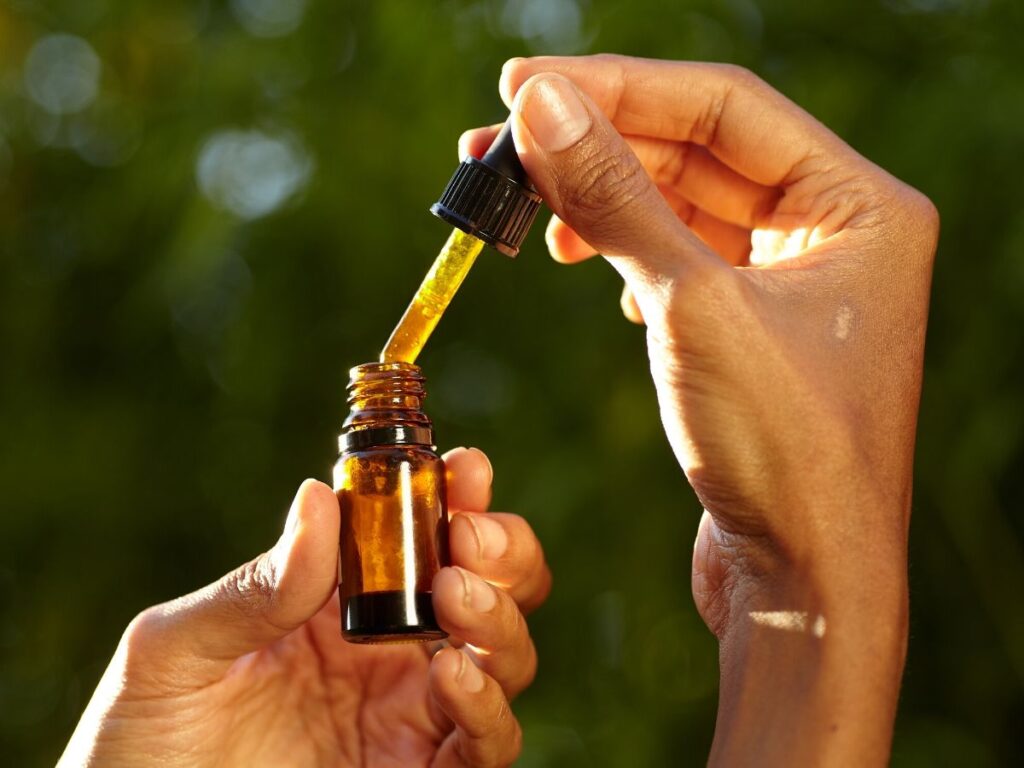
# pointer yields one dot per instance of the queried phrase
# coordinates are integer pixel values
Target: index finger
(748, 125)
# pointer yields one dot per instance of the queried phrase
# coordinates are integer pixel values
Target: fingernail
(463, 146)
(491, 538)
(549, 232)
(291, 524)
(554, 113)
(504, 83)
(477, 594)
(280, 550)
(490, 467)
(470, 677)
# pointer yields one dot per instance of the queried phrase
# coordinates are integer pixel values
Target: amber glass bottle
(394, 520)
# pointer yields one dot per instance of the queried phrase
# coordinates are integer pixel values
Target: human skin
(784, 283)
(252, 670)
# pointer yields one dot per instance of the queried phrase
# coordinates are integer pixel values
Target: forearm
(811, 676)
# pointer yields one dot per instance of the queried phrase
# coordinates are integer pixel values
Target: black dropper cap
(491, 198)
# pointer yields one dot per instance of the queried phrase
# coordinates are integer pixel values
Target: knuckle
(605, 184)
(251, 587)
(617, 59)
(530, 552)
(917, 218)
(530, 667)
(530, 571)
(740, 75)
(513, 73)
(463, 754)
(924, 211)
(141, 635)
(744, 77)
(516, 621)
(505, 723)
(542, 589)
(547, 584)
(705, 127)
(515, 747)
(513, 65)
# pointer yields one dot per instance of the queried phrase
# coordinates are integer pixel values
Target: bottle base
(390, 617)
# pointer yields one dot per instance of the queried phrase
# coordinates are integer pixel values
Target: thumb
(594, 182)
(197, 637)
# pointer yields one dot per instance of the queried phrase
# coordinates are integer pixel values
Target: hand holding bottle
(252, 670)
(784, 283)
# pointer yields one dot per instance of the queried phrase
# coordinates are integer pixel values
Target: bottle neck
(385, 402)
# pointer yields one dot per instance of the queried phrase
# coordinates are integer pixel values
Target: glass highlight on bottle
(394, 519)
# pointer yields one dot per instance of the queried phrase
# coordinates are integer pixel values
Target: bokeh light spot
(62, 74)
(550, 26)
(269, 18)
(251, 173)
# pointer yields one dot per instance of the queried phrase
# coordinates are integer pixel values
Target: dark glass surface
(388, 617)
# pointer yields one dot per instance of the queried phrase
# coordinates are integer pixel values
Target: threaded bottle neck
(385, 402)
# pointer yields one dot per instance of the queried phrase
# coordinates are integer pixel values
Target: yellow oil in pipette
(435, 293)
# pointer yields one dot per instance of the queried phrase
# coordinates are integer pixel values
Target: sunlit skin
(784, 283)
(252, 670)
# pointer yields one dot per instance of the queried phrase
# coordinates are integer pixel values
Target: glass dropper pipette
(489, 201)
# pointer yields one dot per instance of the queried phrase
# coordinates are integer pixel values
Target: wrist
(838, 545)
(811, 659)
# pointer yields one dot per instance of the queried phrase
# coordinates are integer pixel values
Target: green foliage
(171, 369)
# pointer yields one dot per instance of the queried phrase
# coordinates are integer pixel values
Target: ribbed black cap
(491, 198)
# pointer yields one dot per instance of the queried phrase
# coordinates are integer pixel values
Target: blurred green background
(209, 211)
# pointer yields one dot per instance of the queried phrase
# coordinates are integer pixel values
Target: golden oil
(434, 295)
